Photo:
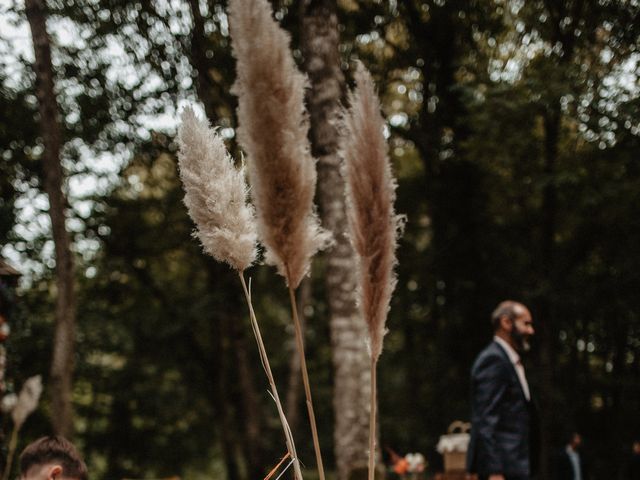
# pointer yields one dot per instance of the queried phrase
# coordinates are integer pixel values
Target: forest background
(514, 132)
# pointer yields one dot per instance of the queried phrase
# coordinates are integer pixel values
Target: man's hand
(498, 476)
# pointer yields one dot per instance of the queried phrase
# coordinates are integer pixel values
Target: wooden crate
(454, 461)
(460, 475)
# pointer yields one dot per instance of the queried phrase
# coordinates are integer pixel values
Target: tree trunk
(352, 384)
(64, 338)
(547, 310)
(199, 61)
(552, 121)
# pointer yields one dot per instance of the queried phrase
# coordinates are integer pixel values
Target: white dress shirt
(574, 458)
(517, 364)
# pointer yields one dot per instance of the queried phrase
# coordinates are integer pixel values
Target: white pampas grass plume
(28, 399)
(370, 193)
(216, 197)
(273, 128)
(24, 405)
(215, 194)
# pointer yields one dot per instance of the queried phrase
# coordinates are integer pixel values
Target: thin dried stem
(305, 380)
(12, 450)
(274, 390)
(372, 420)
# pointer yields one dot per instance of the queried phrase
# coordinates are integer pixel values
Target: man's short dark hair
(54, 449)
(509, 308)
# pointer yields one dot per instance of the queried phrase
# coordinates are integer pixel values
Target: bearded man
(503, 419)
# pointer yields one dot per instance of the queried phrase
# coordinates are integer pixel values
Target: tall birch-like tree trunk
(352, 384)
(64, 338)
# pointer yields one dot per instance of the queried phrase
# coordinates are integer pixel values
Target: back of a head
(574, 439)
(54, 449)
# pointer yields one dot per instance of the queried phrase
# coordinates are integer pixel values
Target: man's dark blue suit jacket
(501, 418)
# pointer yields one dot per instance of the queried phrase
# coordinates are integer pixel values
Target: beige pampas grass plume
(370, 193)
(216, 194)
(273, 128)
(273, 131)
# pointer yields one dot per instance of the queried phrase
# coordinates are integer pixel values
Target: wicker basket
(453, 446)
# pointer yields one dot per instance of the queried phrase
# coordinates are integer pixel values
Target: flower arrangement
(411, 467)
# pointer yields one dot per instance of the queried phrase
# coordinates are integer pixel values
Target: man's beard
(520, 340)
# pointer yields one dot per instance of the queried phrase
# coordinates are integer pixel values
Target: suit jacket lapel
(514, 373)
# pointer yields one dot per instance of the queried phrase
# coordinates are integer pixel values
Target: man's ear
(54, 472)
(505, 323)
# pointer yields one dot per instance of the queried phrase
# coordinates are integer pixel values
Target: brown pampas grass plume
(370, 193)
(273, 128)
(216, 198)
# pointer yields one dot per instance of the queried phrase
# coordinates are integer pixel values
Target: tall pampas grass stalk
(370, 193)
(27, 401)
(273, 131)
(216, 198)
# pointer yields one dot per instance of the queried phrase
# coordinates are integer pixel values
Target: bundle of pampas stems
(273, 132)
(373, 225)
(216, 198)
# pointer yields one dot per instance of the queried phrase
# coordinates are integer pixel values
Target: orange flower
(401, 467)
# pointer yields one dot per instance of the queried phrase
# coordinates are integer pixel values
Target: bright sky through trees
(93, 169)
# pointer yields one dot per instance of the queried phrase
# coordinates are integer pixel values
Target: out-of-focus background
(514, 132)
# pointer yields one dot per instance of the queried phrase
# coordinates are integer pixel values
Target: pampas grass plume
(28, 400)
(216, 194)
(370, 193)
(216, 197)
(273, 128)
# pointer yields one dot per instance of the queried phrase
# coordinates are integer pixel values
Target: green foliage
(479, 99)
